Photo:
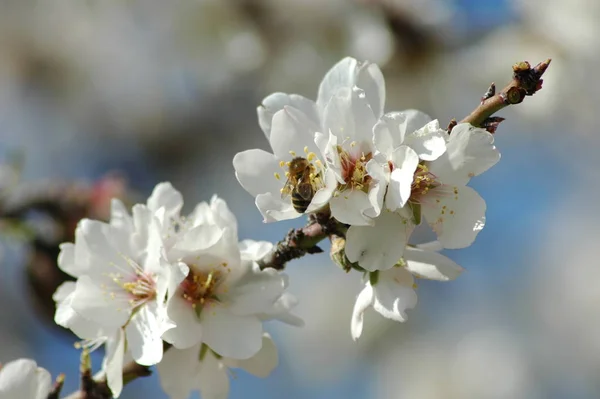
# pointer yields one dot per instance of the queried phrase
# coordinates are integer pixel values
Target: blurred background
(108, 98)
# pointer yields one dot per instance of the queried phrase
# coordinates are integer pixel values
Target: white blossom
(349, 101)
(22, 379)
(200, 369)
(119, 296)
(218, 296)
(426, 172)
(391, 292)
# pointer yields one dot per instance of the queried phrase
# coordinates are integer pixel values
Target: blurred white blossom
(482, 364)
(391, 292)
(22, 378)
(200, 369)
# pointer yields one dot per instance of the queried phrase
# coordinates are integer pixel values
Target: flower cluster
(377, 174)
(156, 277)
(180, 292)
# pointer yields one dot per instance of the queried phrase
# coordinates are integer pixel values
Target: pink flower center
(200, 288)
(354, 169)
(423, 181)
(141, 290)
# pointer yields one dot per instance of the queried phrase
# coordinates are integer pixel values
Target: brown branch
(526, 82)
(58, 384)
(300, 242)
(98, 388)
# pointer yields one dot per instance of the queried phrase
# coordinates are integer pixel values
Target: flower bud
(338, 254)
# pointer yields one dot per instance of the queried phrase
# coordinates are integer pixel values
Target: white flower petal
(256, 292)
(350, 206)
(405, 161)
(119, 217)
(274, 209)
(363, 302)
(413, 120)
(349, 73)
(281, 311)
(113, 362)
(66, 259)
(323, 195)
(431, 246)
(261, 364)
(429, 142)
(256, 170)
(96, 304)
(222, 216)
(291, 133)
(178, 371)
(254, 250)
(381, 246)
(470, 151)
(148, 239)
(188, 331)
(165, 196)
(393, 128)
(386, 133)
(66, 316)
(108, 247)
(457, 215)
(276, 101)
(329, 149)
(431, 265)
(63, 291)
(230, 335)
(43, 382)
(394, 294)
(371, 81)
(380, 175)
(22, 378)
(143, 333)
(349, 117)
(212, 380)
(198, 239)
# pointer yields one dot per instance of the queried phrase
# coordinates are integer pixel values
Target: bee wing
(305, 190)
(286, 188)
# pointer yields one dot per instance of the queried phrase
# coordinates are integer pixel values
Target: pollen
(277, 176)
(423, 182)
(311, 156)
(281, 164)
(199, 288)
(306, 149)
(137, 284)
(293, 153)
(354, 170)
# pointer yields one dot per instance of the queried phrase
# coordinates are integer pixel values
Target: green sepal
(203, 351)
(416, 211)
(374, 277)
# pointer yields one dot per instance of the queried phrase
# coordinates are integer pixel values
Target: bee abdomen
(299, 203)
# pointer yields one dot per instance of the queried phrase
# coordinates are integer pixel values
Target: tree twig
(526, 81)
(299, 242)
(98, 388)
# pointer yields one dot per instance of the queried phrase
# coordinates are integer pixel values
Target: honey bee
(299, 183)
